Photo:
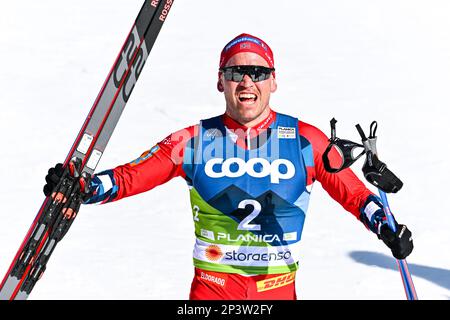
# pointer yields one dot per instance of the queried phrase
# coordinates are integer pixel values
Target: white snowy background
(354, 60)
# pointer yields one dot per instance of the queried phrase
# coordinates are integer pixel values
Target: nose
(247, 81)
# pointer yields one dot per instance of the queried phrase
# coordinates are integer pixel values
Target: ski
(59, 210)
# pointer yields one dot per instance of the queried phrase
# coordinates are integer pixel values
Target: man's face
(247, 101)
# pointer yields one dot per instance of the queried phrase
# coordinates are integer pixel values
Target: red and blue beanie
(246, 43)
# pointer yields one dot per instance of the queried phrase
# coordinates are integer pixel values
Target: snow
(354, 60)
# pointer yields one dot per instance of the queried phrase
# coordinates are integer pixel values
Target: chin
(245, 113)
(250, 115)
(249, 111)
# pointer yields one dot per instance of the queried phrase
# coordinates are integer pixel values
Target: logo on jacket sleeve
(146, 155)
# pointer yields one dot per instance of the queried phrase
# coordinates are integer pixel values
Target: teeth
(247, 96)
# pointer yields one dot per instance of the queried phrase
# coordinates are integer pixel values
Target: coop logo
(129, 65)
(237, 167)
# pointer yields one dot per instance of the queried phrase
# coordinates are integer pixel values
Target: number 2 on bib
(245, 223)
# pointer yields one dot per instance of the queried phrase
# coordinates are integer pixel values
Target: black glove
(52, 178)
(400, 242)
(56, 173)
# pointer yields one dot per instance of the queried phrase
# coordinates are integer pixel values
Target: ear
(273, 84)
(220, 83)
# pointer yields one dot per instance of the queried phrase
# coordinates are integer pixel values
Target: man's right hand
(55, 175)
(52, 178)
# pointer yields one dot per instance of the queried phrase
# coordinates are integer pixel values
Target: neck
(244, 133)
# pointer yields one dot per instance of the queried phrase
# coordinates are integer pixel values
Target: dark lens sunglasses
(237, 73)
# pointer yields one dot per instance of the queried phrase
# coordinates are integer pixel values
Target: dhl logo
(276, 282)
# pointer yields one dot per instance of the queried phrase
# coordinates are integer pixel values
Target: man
(250, 173)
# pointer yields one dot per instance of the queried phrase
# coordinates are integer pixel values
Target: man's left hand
(400, 242)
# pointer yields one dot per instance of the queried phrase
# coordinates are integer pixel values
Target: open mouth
(247, 98)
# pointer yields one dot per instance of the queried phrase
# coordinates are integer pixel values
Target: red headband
(246, 43)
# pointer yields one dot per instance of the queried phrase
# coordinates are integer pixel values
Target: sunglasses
(237, 73)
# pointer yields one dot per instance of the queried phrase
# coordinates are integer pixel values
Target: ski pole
(393, 186)
(402, 264)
